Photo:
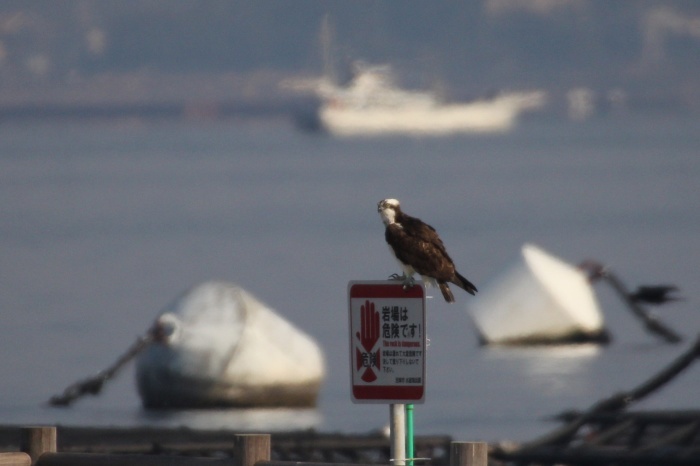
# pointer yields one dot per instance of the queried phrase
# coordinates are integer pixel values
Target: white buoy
(219, 346)
(539, 299)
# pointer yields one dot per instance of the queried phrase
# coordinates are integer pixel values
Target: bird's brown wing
(422, 231)
(420, 247)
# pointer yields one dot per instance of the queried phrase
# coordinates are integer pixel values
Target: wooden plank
(301, 463)
(675, 436)
(596, 457)
(15, 458)
(93, 459)
(251, 448)
(151, 439)
(605, 436)
(36, 441)
(469, 454)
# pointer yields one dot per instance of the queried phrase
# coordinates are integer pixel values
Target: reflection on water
(556, 368)
(266, 420)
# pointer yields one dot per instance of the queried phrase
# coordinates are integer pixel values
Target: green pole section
(409, 435)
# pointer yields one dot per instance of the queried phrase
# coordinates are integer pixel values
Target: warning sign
(387, 342)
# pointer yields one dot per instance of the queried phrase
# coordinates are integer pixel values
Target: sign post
(409, 434)
(387, 350)
(397, 434)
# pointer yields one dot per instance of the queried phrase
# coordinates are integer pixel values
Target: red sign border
(385, 393)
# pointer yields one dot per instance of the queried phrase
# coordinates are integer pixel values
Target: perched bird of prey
(418, 248)
(656, 294)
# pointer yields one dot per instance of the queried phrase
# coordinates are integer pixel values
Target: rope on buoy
(93, 385)
(597, 271)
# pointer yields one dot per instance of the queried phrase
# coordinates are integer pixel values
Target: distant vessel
(372, 104)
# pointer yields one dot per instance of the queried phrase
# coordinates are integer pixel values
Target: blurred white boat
(538, 299)
(372, 104)
(219, 346)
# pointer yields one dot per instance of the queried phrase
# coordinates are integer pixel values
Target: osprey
(418, 248)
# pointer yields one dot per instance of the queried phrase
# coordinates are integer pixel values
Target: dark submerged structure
(608, 434)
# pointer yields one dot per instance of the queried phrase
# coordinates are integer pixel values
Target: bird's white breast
(388, 216)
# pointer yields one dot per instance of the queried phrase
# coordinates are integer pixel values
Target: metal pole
(409, 434)
(397, 428)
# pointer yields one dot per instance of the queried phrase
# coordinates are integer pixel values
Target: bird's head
(388, 208)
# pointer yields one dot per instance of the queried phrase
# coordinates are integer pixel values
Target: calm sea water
(102, 225)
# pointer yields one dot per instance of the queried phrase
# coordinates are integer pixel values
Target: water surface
(102, 225)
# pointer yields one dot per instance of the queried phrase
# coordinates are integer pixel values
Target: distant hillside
(646, 47)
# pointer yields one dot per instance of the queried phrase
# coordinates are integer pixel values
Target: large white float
(538, 299)
(218, 346)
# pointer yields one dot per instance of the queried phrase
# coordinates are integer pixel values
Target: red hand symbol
(368, 336)
(369, 326)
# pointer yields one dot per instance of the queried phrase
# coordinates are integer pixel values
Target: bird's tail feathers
(465, 284)
(446, 292)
